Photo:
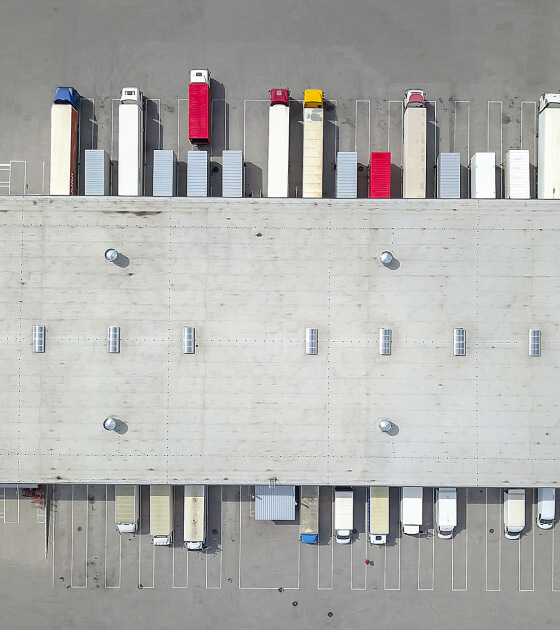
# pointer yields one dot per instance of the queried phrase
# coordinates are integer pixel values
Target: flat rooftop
(251, 275)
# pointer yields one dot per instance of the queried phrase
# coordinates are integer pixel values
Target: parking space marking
(529, 139)
(461, 141)
(79, 536)
(111, 551)
(5, 181)
(555, 551)
(457, 543)
(218, 550)
(431, 156)
(330, 544)
(359, 546)
(495, 140)
(179, 554)
(395, 122)
(11, 505)
(426, 556)
(494, 544)
(527, 545)
(3, 503)
(365, 106)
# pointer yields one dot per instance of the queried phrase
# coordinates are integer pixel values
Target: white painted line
(106, 544)
(389, 123)
(553, 557)
(534, 105)
(500, 159)
(72, 539)
(433, 552)
(434, 103)
(365, 566)
(328, 588)
(220, 546)
(466, 550)
(533, 518)
(113, 101)
(43, 184)
(179, 101)
(499, 543)
(53, 530)
(398, 543)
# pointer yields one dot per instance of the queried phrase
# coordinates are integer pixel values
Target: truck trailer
(312, 184)
(411, 510)
(127, 508)
(343, 515)
(161, 514)
(548, 168)
(200, 105)
(380, 175)
(64, 142)
(278, 142)
(517, 177)
(131, 143)
(483, 175)
(378, 514)
(414, 145)
(309, 514)
(195, 517)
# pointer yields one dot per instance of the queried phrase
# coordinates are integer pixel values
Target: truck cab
(132, 95)
(548, 99)
(280, 97)
(313, 99)
(414, 98)
(67, 96)
(200, 76)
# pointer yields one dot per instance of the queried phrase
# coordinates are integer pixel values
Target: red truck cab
(280, 97)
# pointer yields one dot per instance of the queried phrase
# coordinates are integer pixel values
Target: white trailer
(278, 142)
(195, 517)
(514, 513)
(161, 514)
(343, 514)
(411, 510)
(312, 183)
(131, 143)
(414, 145)
(548, 168)
(309, 514)
(516, 175)
(127, 508)
(483, 175)
(378, 514)
(446, 512)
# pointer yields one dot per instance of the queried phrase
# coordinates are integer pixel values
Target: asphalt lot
(483, 64)
(478, 577)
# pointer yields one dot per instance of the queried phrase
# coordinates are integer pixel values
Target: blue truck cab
(67, 96)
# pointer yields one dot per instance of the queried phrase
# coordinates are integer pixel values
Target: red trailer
(199, 107)
(380, 176)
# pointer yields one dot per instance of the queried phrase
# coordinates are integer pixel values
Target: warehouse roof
(250, 405)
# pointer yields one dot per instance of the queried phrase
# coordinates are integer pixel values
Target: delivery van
(514, 513)
(411, 510)
(546, 507)
(446, 512)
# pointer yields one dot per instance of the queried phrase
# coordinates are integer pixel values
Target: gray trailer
(449, 176)
(346, 175)
(197, 174)
(232, 174)
(165, 168)
(97, 172)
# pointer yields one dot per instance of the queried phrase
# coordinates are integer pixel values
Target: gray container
(232, 174)
(165, 167)
(197, 174)
(346, 175)
(97, 172)
(449, 176)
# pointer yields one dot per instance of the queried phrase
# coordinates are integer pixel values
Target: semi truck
(411, 510)
(414, 145)
(312, 184)
(161, 514)
(195, 517)
(278, 142)
(548, 168)
(343, 515)
(378, 514)
(200, 105)
(309, 514)
(514, 513)
(446, 512)
(64, 142)
(131, 142)
(127, 508)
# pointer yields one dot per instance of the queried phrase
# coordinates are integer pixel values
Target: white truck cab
(200, 76)
(547, 99)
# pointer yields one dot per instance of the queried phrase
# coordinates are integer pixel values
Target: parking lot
(87, 551)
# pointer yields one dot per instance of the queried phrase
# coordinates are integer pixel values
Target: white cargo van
(411, 510)
(343, 514)
(446, 512)
(514, 513)
(546, 507)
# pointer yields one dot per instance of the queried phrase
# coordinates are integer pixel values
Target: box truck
(64, 142)
(483, 175)
(517, 177)
(548, 167)
(380, 175)
(414, 145)
(161, 514)
(378, 514)
(312, 184)
(200, 105)
(127, 508)
(343, 515)
(446, 512)
(278, 142)
(309, 514)
(195, 507)
(131, 143)
(514, 513)
(411, 510)
(546, 507)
